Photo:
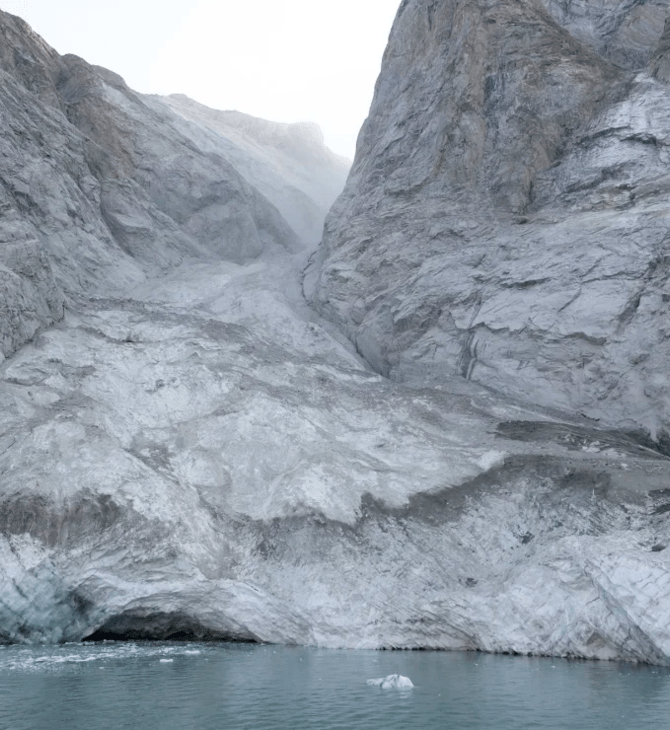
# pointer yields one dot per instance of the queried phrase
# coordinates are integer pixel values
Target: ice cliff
(462, 445)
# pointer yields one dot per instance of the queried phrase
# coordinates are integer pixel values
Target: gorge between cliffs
(249, 392)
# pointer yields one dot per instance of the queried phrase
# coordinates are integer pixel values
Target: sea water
(182, 686)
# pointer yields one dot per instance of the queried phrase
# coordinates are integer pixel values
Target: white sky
(285, 60)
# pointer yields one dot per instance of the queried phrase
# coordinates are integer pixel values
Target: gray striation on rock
(198, 459)
(506, 217)
(188, 450)
(624, 31)
(659, 65)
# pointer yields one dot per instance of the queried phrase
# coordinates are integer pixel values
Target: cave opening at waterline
(161, 627)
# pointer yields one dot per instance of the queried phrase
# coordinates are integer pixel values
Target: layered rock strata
(198, 460)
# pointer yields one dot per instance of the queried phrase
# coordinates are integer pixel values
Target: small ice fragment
(192, 651)
(165, 661)
(392, 681)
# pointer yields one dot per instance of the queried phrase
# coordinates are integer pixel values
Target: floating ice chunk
(165, 661)
(193, 651)
(392, 681)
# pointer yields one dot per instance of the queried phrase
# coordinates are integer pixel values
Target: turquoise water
(119, 686)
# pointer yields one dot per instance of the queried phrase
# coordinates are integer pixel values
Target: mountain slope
(191, 451)
(101, 188)
(288, 163)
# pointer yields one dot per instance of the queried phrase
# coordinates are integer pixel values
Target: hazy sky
(285, 60)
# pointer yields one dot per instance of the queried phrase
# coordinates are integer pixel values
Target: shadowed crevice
(159, 626)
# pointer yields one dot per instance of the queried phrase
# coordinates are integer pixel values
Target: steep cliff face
(189, 450)
(101, 187)
(624, 31)
(506, 218)
(660, 63)
(196, 459)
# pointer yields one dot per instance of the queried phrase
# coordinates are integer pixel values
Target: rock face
(189, 450)
(288, 163)
(101, 187)
(624, 31)
(506, 218)
(197, 459)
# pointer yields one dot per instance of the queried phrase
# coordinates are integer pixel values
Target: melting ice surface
(123, 686)
(393, 681)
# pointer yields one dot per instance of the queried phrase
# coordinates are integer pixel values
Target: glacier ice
(188, 450)
(393, 681)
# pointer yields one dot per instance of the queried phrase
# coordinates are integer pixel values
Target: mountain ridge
(103, 183)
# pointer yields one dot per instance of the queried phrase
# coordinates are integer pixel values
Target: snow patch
(490, 459)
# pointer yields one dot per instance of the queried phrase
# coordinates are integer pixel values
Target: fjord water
(178, 686)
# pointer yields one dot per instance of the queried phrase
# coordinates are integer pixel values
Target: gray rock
(188, 450)
(103, 188)
(199, 459)
(625, 31)
(163, 196)
(659, 65)
(288, 163)
(506, 216)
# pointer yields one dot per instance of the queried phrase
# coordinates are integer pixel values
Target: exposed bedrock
(174, 465)
(187, 450)
(506, 219)
(101, 187)
(624, 31)
(288, 163)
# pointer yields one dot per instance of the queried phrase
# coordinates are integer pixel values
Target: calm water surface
(250, 687)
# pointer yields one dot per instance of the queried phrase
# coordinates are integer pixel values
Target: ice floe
(393, 681)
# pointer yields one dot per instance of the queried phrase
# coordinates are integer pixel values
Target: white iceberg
(391, 682)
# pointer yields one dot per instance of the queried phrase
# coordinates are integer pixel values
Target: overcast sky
(285, 60)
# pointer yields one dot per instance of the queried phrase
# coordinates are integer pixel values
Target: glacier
(442, 426)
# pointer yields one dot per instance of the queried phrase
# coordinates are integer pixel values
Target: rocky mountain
(506, 219)
(288, 163)
(623, 32)
(102, 187)
(188, 449)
